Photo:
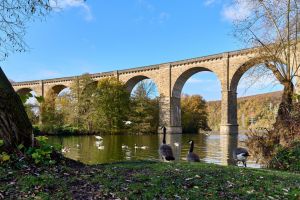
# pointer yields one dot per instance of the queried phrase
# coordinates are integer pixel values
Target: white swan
(101, 147)
(65, 150)
(98, 137)
(98, 143)
(127, 122)
(176, 144)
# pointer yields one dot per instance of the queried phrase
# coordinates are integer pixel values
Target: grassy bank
(146, 180)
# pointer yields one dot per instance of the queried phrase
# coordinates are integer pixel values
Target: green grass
(147, 180)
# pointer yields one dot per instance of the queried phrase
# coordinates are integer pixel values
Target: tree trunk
(15, 126)
(282, 126)
(286, 104)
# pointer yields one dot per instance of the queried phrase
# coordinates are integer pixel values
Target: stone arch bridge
(170, 78)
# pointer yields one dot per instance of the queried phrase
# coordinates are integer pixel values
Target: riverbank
(145, 180)
(74, 131)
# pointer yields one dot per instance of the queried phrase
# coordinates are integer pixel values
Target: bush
(59, 130)
(287, 158)
(276, 148)
(3, 155)
(262, 144)
(41, 154)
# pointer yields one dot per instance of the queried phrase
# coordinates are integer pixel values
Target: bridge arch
(92, 86)
(231, 98)
(243, 68)
(183, 77)
(177, 88)
(24, 91)
(132, 82)
(55, 90)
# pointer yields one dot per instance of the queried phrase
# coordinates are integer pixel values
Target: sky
(99, 36)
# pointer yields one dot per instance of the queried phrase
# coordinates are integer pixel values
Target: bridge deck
(142, 68)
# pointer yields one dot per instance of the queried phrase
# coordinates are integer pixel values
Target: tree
(82, 98)
(15, 127)
(144, 113)
(32, 115)
(50, 115)
(194, 115)
(273, 26)
(112, 102)
(13, 20)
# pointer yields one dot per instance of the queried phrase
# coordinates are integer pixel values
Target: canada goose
(144, 147)
(165, 151)
(124, 146)
(241, 155)
(192, 157)
(98, 137)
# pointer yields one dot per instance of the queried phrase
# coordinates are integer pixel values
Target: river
(211, 148)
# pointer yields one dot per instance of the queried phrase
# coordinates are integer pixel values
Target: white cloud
(151, 14)
(239, 10)
(146, 5)
(163, 16)
(209, 2)
(64, 4)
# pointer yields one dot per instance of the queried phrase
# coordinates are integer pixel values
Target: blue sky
(98, 36)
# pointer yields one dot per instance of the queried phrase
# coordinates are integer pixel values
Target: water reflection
(213, 148)
(228, 143)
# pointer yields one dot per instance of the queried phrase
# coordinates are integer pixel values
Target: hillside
(257, 110)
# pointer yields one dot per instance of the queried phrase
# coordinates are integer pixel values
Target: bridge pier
(229, 125)
(170, 115)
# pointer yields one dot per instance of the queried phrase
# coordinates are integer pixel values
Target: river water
(212, 148)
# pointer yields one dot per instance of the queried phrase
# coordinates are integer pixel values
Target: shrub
(262, 143)
(60, 130)
(3, 155)
(287, 158)
(276, 148)
(41, 154)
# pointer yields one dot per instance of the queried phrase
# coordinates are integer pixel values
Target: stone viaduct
(170, 78)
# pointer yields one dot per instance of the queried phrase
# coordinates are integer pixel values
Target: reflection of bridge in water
(170, 78)
(212, 149)
(219, 149)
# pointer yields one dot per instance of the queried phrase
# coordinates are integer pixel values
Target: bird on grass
(241, 155)
(165, 151)
(192, 157)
